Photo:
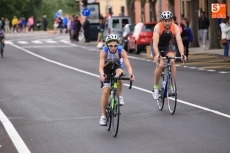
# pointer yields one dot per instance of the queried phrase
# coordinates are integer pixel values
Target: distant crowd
(22, 25)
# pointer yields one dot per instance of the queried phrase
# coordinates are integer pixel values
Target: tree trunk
(130, 9)
(152, 5)
(194, 22)
(214, 41)
(171, 6)
(143, 10)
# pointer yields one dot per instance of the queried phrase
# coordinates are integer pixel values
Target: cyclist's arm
(102, 62)
(179, 40)
(126, 62)
(156, 35)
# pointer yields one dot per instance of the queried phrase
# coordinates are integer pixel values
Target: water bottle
(163, 84)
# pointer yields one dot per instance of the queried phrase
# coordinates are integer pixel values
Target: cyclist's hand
(157, 58)
(131, 76)
(183, 58)
(102, 78)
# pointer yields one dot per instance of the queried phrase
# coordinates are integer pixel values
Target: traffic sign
(86, 12)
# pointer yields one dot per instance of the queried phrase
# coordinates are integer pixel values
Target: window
(115, 23)
(124, 22)
(148, 27)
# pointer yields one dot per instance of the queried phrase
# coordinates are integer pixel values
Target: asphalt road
(50, 92)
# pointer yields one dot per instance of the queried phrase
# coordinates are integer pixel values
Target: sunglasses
(115, 46)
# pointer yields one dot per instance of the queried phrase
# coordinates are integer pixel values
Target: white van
(115, 24)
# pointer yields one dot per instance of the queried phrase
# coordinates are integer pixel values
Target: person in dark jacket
(77, 28)
(45, 23)
(186, 35)
(203, 26)
(86, 28)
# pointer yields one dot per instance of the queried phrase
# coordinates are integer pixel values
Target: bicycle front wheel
(172, 95)
(108, 116)
(115, 114)
(161, 99)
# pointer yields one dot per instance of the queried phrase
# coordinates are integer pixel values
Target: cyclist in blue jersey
(111, 57)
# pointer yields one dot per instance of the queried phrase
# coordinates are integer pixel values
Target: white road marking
(138, 88)
(45, 46)
(22, 42)
(223, 72)
(13, 134)
(211, 70)
(37, 42)
(51, 41)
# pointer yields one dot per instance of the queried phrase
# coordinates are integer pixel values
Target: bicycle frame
(169, 73)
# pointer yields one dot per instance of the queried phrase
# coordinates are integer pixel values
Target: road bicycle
(168, 88)
(113, 107)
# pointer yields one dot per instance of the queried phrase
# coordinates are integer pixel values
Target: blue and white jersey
(113, 57)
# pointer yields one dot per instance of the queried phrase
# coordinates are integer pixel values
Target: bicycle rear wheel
(108, 117)
(115, 114)
(172, 95)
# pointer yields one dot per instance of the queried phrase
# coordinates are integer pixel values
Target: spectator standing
(65, 23)
(77, 28)
(7, 26)
(38, 24)
(72, 28)
(3, 23)
(15, 24)
(86, 28)
(45, 23)
(203, 25)
(186, 35)
(31, 23)
(225, 34)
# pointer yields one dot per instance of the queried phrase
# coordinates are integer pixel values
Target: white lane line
(211, 70)
(148, 91)
(186, 103)
(223, 72)
(13, 134)
(45, 46)
(22, 42)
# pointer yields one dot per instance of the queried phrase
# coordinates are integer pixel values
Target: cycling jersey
(113, 58)
(167, 41)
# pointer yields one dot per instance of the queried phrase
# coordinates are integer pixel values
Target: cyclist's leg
(105, 92)
(158, 70)
(118, 71)
(173, 65)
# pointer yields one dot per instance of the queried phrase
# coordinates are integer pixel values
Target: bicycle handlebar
(118, 78)
(169, 58)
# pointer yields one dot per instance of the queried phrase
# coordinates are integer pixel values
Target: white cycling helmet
(166, 15)
(112, 37)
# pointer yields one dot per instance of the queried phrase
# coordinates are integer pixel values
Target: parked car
(115, 24)
(127, 31)
(141, 37)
